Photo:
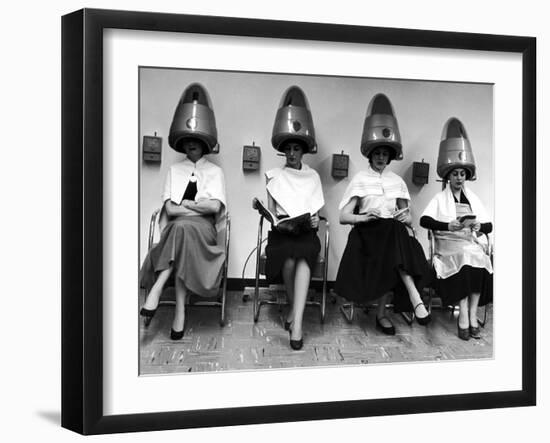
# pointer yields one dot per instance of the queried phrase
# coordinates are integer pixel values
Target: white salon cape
(456, 249)
(376, 191)
(295, 191)
(210, 184)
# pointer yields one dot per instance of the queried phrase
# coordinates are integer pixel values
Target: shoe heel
(422, 320)
(296, 344)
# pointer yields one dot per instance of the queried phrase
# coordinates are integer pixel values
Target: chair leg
(347, 310)
(484, 321)
(430, 299)
(408, 317)
(323, 302)
(256, 304)
(256, 297)
(224, 294)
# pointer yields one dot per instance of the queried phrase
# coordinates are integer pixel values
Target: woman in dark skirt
(193, 205)
(293, 190)
(458, 218)
(381, 257)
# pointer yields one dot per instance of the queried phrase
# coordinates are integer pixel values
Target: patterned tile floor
(242, 344)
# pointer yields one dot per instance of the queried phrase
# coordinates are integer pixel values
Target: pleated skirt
(374, 253)
(281, 246)
(188, 244)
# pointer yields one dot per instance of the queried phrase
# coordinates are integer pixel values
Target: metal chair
(222, 239)
(318, 273)
(432, 292)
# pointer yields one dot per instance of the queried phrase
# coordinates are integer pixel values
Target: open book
(296, 225)
(463, 218)
(467, 220)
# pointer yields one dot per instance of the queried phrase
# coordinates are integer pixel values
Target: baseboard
(238, 284)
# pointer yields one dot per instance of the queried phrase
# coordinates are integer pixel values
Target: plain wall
(245, 105)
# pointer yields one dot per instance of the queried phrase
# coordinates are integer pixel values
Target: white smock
(455, 249)
(295, 191)
(210, 184)
(376, 191)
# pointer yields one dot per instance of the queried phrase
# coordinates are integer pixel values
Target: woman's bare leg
(472, 312)
(179, 314)
(301, 287)
(414, 296)
(463, 313)
(152, 300)
(289, 273)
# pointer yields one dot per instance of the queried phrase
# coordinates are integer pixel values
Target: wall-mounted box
(152, 148)
(251, 157)
(421, 171)
(340, 165)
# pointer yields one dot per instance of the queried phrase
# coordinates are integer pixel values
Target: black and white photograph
(281, 222)
(295, 221)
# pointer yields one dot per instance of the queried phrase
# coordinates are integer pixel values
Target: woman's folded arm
(190, 207)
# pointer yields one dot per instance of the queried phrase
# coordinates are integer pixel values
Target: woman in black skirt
(381, 257)
(458, 218)
(293, 190)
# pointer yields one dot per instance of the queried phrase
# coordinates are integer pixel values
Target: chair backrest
(223, 234)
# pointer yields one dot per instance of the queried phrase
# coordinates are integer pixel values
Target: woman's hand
(188, 204)
(475, 226)
(314, 221)
(455, 225)
(371, 214)
(404, 217)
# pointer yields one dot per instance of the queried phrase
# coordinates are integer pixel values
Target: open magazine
(296, 225)
(400, 211)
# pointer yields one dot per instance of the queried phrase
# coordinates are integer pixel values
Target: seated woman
(293, 190)
(193, 203)
(457, 217)
(380, 258)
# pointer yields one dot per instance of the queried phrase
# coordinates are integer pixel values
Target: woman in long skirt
(380, 257)
(458, 219)
(194, 205)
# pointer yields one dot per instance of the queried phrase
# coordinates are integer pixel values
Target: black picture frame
(82, 220)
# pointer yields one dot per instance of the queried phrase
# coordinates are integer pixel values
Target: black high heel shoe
(296, 344)
(287, 325)
(148, 314)
(475, 332)
(176, 335)
(463, 333)
(388, 330)
(422, 320)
